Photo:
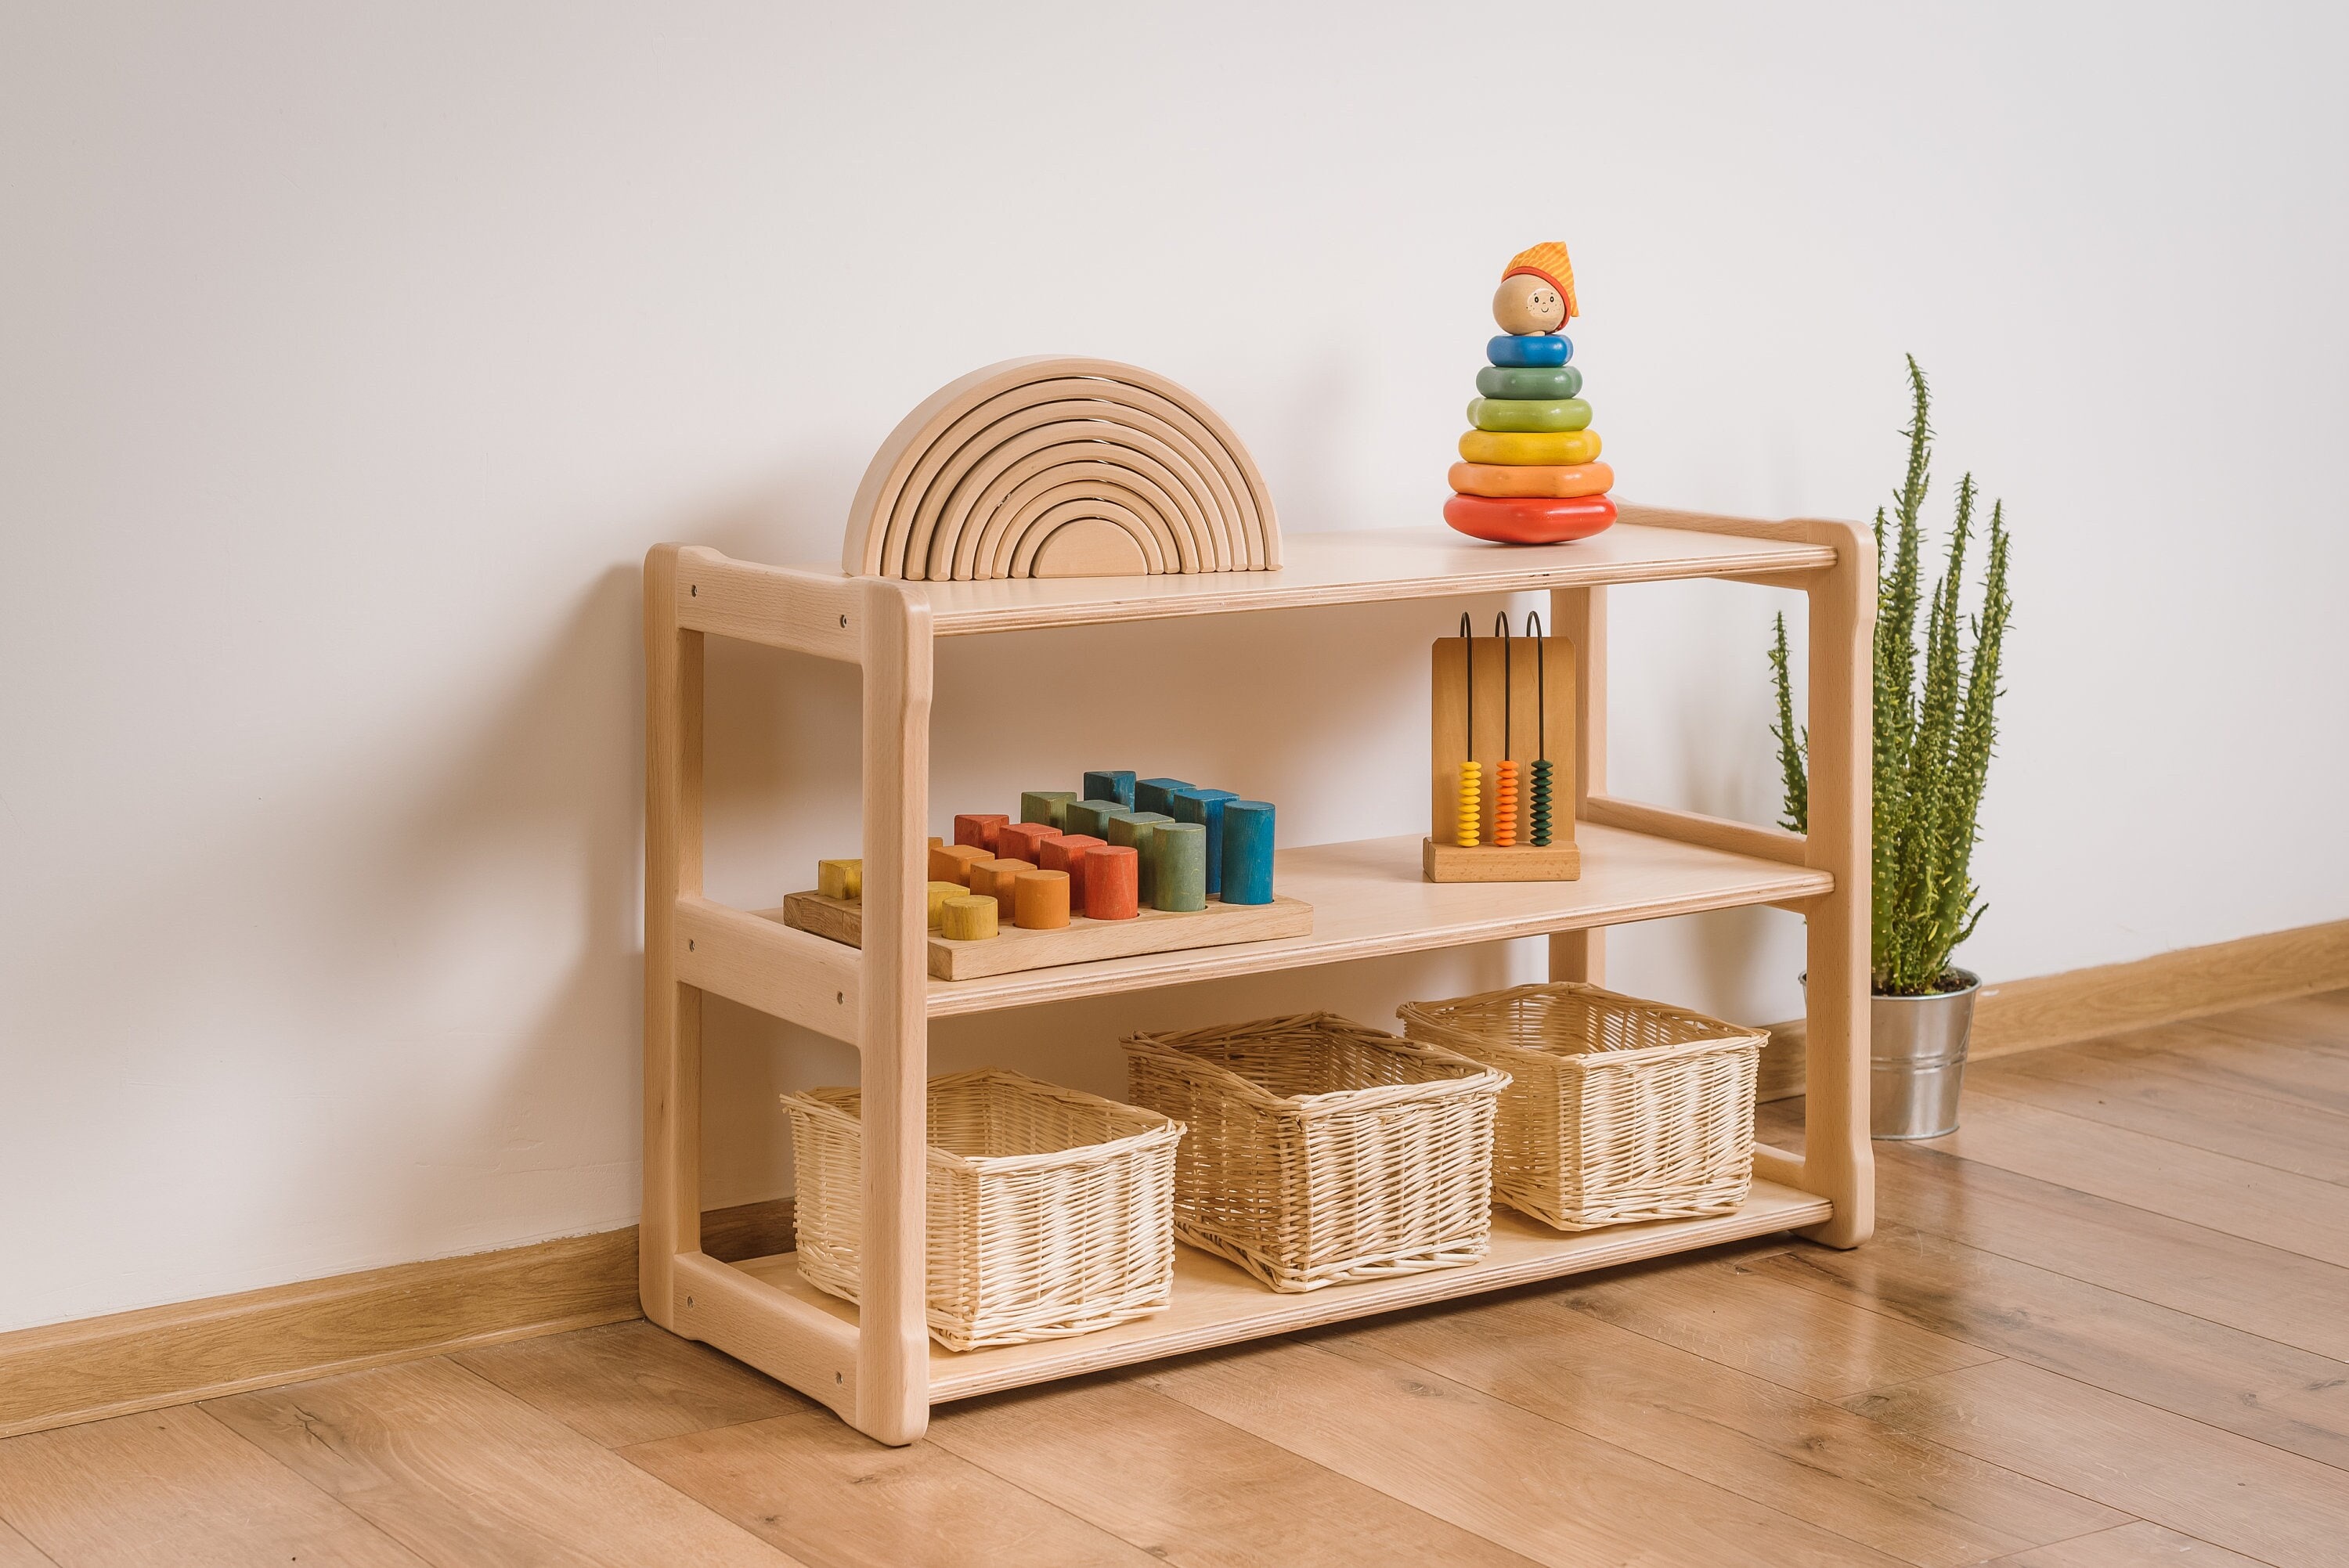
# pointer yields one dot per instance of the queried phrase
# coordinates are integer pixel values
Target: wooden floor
(2105, 1323)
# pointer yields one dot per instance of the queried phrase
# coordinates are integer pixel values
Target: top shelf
(1366, 568)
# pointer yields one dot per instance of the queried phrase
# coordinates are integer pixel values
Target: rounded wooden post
(671, 1221)
(1579, 615)
(1838, 1163)
(893, 1349)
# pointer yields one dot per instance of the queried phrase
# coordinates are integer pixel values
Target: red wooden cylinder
(1112, 881)
(1067, 853)
(979, 829)
(1024, 841)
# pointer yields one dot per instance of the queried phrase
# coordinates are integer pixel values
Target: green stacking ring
(1511, 414)
(1547, 382)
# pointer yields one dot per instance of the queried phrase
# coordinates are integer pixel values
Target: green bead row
(1541, 803)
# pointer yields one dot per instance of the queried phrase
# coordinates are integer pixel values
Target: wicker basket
(1321, 1152)
(1050, 1211)
(1619, 1110)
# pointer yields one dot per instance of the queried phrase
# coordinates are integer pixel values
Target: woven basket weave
(1618, 1110)
(1049, 1212)
(1320, 1151)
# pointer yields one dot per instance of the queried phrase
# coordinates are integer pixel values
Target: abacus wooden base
(1489, 862)
(1081, 941)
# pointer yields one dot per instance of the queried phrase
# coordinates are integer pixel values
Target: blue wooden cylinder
(1247, 851)
(1206, 807)
(1157, 794)
(1116, 784)
(1178, 861)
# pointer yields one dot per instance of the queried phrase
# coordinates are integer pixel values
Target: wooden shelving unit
(876, 1367)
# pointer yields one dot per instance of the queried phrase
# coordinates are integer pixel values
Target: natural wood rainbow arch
(1052, 467)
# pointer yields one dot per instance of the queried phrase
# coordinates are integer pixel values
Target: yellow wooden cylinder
(939, 891)
(968, 917)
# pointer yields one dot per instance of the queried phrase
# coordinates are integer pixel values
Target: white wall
(350, 358)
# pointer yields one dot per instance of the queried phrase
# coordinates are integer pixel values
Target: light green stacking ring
(1512, 414)
(1546, 382)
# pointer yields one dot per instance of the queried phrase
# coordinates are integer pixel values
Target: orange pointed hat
(1547, 262)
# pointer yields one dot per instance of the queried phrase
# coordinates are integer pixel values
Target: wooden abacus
(1503, 712)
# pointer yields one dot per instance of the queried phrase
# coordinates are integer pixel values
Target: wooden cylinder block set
(1529, 472)
(1501, 747)
(1121, 867)
(1060, 467)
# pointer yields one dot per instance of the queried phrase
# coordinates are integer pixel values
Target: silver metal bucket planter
(1918, 1060)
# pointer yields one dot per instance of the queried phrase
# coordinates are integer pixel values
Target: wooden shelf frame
(875, 1367)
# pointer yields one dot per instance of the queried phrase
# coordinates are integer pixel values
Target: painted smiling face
(1525, 304)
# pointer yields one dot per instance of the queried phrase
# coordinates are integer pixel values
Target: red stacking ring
(1529, 520)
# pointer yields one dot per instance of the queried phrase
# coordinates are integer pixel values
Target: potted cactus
(1934, 731)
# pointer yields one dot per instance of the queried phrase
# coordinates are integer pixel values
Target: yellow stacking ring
(1532, 479)
(1548, 449)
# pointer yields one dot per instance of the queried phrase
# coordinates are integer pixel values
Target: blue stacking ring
(1540, 349)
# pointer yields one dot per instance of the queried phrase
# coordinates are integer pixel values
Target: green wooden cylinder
(1178, 861)
(1133, 829)
(1047, 806)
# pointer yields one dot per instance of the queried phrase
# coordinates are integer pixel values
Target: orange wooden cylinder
(993, 878)
(952, 862)
(1067, 853)
(1024, 841)
(979, 829)
(1112, 881)
(1041, 901)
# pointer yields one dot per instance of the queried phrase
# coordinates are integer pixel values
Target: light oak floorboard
(2278, 1296)
(2292, 1400)
(826, 1494)
(2320, 1020)
(1188, 1489)
(1546, 1490)
(632, 1383)
(1915, 1501)
(16, 1552)
(2214, 1485)
(1797, 1339)
(2138, 1545)
(2256, 1202)
(174, 1486)
(2243, 1052)
(464, 1473)
(2148, 1093)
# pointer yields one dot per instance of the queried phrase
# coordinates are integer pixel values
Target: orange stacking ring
(1559, 481)
(1529, 520)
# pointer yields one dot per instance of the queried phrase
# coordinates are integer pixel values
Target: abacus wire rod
(1541, 684)
(1468, 662)
(1502, 619)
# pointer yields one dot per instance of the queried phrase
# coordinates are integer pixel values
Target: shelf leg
(673, 716)
(1838, 1163)
(1579, 615)
(893, 1350)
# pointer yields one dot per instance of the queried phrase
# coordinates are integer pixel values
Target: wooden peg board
(1081, 941)
(1526, 682)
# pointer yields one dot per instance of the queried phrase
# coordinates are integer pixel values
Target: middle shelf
(1369, 901)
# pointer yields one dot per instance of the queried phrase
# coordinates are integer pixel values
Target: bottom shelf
(1215, 1304)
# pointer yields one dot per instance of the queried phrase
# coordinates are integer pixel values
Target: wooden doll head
(1527, 303)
